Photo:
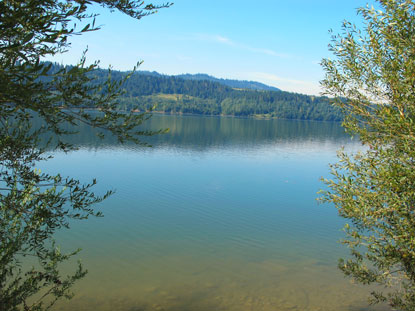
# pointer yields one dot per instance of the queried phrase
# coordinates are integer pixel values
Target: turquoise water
(220, 214)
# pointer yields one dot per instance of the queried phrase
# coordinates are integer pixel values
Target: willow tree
(372, 76)
(33, 205)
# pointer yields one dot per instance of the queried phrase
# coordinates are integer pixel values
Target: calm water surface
(220, 214)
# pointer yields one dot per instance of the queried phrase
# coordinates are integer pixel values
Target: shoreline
(255, 117)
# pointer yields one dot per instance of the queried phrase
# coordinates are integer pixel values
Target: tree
(373, 81)
(33, 205)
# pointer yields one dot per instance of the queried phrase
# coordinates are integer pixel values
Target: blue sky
(277, 42)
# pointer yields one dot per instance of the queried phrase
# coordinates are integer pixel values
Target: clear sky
(277, 42)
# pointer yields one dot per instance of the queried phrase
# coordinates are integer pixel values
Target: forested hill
(237, 84)
(173, 94)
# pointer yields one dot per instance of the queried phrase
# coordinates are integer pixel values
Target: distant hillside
(237, 84)
(145, 91)
(174, 94)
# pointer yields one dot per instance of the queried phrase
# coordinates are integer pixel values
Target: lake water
(220, 214)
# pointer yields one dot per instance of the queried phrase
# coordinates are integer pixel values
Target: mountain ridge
(238, 84)
(233, 83)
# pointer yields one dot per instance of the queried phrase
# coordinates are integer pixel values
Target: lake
(220, 214)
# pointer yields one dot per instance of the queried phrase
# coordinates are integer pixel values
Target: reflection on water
(219, 215)
(202, 133)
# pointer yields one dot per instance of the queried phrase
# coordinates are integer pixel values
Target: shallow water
(220, 214)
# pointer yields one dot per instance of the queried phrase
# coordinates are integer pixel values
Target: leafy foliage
(374, 189)
(33, 205)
